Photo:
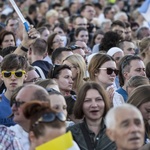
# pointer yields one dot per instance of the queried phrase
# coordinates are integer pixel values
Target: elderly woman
(91, 105)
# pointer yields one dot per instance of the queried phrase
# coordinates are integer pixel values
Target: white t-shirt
(21, 135)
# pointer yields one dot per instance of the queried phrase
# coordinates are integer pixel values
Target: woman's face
(117, 56)
(98, 38)
(83, 36)
(8, 41)
(64, 80)
(93, 105)
(102, 77)
(58, 102)
(73, 69)
(59, 31)
(145, 110)
(45, 34)
(57, 42)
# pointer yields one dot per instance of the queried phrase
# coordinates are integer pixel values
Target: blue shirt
(5, 112)
(122, 92)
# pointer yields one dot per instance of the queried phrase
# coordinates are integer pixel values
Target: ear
(26, 75)
(110, 134)
(1, 76)
(96, 73)
(125, 75)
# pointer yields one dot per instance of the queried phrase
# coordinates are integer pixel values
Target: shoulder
(75, 128)
(146, 147)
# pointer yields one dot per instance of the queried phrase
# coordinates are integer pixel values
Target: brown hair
(78, 108)
(34, 110)
(136, 81)
(50, 43)
(140, 95)
(14, 61)
(96, 62)
(144, 45)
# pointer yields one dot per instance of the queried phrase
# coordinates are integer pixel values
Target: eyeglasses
(110, 71)
(16, 103)
(18, 74)
(50, 117)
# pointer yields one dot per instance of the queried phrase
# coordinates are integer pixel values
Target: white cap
(114, 50)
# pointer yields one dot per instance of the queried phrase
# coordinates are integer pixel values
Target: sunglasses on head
(18, 74)
(110, 71)
(16, 103)
(50, 117)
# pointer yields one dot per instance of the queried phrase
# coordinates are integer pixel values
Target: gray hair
(110, 119)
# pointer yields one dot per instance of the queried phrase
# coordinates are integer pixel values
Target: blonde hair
(78, 61)
(143, 45)
(51, 13)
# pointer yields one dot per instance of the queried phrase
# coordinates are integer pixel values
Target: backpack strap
(42, 75)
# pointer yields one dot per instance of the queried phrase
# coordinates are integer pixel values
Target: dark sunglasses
(18, 74)
(74, 47)
(16, 103)
(50, 117)
(110, 71)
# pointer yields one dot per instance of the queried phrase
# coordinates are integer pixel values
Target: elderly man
(125, 126)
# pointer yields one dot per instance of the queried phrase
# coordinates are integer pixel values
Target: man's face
(12, 25)
(128, 34)
(89, 13)
(120, 30)
(128, 132)
(43, 8)
(128, 48)
(110, 14)
(137, 68)
(24, 95)
(12, 82)
(80, 22)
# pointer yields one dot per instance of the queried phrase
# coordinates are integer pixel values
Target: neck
(64, 93)
(8, 94)
(35, 58)
(25, 126)
(94, 125)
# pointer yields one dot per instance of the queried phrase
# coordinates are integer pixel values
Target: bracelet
(23, 48)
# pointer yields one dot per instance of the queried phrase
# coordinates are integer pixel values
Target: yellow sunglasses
(18, 74)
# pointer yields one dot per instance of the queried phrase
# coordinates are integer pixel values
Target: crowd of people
(83, 67)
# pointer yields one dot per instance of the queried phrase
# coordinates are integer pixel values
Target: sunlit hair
(78, 62)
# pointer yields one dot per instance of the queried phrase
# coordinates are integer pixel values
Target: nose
(71, 81)
(94, 103)
(134, 128)
(143, 73)
(13, 77)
